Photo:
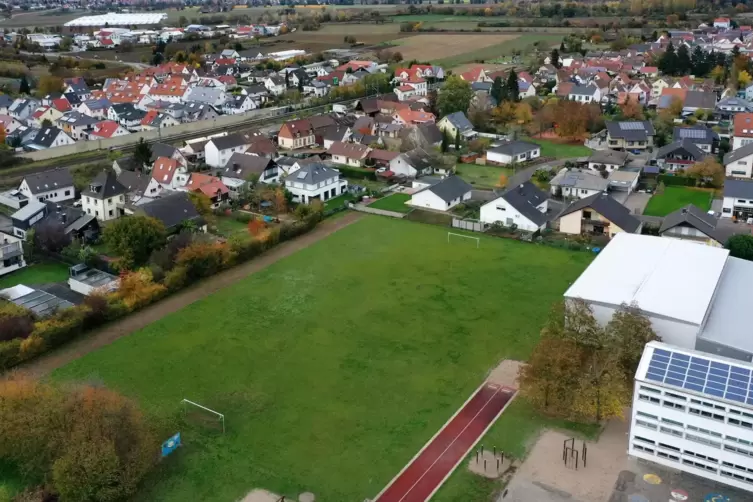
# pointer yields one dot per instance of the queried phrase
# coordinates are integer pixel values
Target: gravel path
(107, 334)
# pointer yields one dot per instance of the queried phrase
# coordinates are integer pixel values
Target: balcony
(11, 250)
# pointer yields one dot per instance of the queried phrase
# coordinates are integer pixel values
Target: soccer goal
(203, 410)
(453, 234)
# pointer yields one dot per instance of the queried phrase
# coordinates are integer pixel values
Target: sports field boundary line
(410, 462)
(480, 437)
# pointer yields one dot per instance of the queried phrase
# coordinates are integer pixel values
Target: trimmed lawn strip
(299, 377)
(39, 273)
(514, 433)
(482, 176)
(675, 198)
(339, 201)
(395, 202)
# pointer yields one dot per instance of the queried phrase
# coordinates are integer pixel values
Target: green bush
(355, 173)
(10, 353)
(671, 180)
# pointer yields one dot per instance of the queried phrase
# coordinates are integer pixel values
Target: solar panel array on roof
(41, 302)
(631, 126)
(716, 379)
(692, 133)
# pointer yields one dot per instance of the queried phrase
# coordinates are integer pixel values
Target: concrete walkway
(107, 334)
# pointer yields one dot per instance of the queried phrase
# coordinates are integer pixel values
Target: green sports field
(335, 365)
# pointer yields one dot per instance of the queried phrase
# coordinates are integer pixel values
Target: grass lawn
(482, 176)
(340, 200)
(336, 364)
(675, 198)
(561, 151)
(395, 202)
(227, 226)
(39, 273)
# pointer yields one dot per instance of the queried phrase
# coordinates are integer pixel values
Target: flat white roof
(666, 277)
(731, 317)
(113, 19)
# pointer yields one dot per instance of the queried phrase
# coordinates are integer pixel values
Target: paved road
(524, 175)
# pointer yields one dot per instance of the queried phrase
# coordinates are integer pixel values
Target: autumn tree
(504, 113)
(279, 201)
(502, 181)
(3, 135)
(571, 119)
(134, 238)
(455, 96)
(255, 226)
(523, 113)
(138, 289)
(202, 203)
(632, 109)
(709, 170)
(50, 84)
(551, 377)
(631, 330)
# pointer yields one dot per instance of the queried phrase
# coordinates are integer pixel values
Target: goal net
(454, 236)
(198, 413)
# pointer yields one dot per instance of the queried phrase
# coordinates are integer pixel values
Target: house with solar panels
(693, 411)
(630, 135)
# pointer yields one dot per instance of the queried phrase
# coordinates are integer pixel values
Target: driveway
(637, 202)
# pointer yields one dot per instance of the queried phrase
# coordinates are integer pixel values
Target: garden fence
(467, 224)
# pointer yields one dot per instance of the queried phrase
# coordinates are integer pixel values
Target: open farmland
(436, 47)
(498, 45)
(334, 365)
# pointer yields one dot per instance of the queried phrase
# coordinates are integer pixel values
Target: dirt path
(134, 322)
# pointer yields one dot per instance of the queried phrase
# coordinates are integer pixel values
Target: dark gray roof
(450, 188)
(46, 137)
(162, 150)
(431, 133)
(311, 174)
(335, 133)
(700, 99)
(229, 141)
(584, 90)
(172, 210)
(738, 154)
(513, 148)
(241, 165)
(685, 145)
(580, 178)
(609, 209)
(108, 184)
(460, 121)
(696, 218)
(134, 181)
(698, 134)
(631, 130)
(609, 157)
(5, 101)
(525, 198)
(49, 180)
(742, 189)
(41, 302)
(418, 159)
(78, 119)
(257, 89)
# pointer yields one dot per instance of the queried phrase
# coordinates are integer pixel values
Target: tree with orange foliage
(502, 181)
(280, 201)
(571, 119)
(255, 226)
(523, 113)
(632, 109)
(138, 289)
(2, 134)
(504, 113)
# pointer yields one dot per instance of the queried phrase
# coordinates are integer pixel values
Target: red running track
(433, 465)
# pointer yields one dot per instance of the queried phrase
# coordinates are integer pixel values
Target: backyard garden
(672, 198)
(336, 364)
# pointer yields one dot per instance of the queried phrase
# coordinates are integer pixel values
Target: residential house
(168, 151)
(739, 163)
(444, 195)
(337, 133)
(457, 123)
(412, 163)
(77, 125)
(11, 253)
(55, 185)
(742, 130)
(107, 129)
(275, 84)
(679, 155)
(699, 100)
(737, 199)
(167, 174)
(9, 124)
(238, 104)
(296, 134)
(701, 136)
(49, 137)
(723, 23)
(351, 154)
(219, 149)
(598, 214)
(694, 224)
(22, 108)
(77, 86)
(315, 88)
(630, 135)
(511, 152)
(105, 197)
(607, 160)
(175, 211)
(578, 183)
(524, 206)
(242, 167)
(624, 180)
(584, 94)
(96, 108)
(25, 218)
(380, 158)
(155, 120)
(727, 108)
(315, 181)
(5, 103)
(127, 115)
(44, 115)
(260, 144)
(408, 116)
(206, 95)
(211, 186)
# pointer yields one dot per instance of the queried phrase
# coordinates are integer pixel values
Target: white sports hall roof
(663, 276)
(112, 19)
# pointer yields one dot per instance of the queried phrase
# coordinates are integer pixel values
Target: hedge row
(139, 291)
(670, 180)
(356, 173)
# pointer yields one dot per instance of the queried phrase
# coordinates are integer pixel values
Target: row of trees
(582, 370)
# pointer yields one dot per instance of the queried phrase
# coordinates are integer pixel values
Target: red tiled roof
(105, 129)
(163, 169)
(61, 105)
(149, 117)
(39, 111)
(208, 185)
(743, 123)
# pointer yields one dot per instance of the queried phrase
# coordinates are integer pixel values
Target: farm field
(434, 47)
(502, 44)
(395, 202)
(675, 198)
(336, 364)
(39, 273)
(482, 176)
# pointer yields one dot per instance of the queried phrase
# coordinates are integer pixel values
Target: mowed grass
(675, 198)
(40, 273)
(482, 176)
(561, 150)
(336, 364)
(395, 202)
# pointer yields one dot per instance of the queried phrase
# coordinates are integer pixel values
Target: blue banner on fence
(170, 445)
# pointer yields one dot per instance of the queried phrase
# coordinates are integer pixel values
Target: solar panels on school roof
(699, 374)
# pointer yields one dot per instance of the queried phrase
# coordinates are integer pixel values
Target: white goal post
(219, 415)
(451, 234)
